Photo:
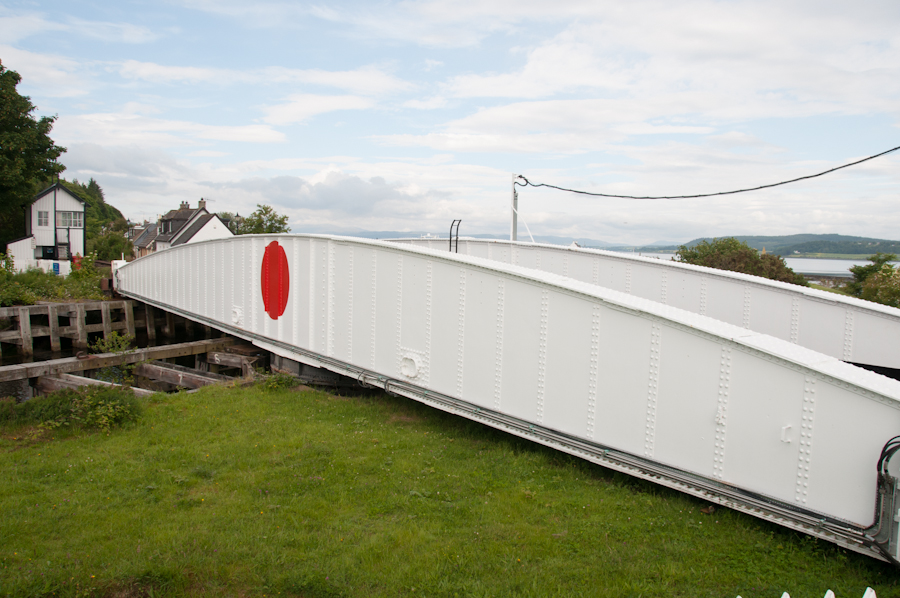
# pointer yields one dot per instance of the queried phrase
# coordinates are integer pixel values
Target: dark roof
(59, 186)
(179, 218)
(196, 226)
(146, 237)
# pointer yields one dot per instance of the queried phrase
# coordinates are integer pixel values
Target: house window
(43, 218)
(70, 219)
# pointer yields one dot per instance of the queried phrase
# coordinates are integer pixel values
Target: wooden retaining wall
(70, 320)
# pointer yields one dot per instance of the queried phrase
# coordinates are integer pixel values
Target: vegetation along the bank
(31, 286)
(268, 491)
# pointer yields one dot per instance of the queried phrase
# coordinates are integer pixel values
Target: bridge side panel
(448, 328)
(870, 337)
(481, 329)
(624, 368)
(568, 364)
(343, 281)
(765, 411)
(521, 353)
(388, 312)
(821, 327)
(725, 301)
(693, 392)
(686, 291)
(770, 312)
(836, 414)
(581, 267)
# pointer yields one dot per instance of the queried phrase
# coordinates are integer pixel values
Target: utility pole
(513, 230)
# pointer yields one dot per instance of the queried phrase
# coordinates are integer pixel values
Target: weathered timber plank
(179, 376)
(73, 364)
(106, 318)
(169, 330)
(53, 314)
(25, 330)
(129, 317)
(151, 323)
(80, 339)
(66, 381)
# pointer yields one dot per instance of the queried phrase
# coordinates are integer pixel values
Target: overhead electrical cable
(811, 176)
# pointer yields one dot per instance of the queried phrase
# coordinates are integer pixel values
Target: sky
(403, 116)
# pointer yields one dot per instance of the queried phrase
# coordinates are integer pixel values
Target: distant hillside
(523, 236)
(788, 245)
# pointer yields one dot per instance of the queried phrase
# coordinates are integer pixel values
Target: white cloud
(15, 27)
(129, 128)
(111, 32)
(50, 75)
(301, 107)
(368, 80)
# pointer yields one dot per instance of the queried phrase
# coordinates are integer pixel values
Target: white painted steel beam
(847, 328)
(735, 416)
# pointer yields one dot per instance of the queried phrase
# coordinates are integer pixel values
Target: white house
(177, 227)
(54, 231)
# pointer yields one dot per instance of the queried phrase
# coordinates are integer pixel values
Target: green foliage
(264, 220)
(110, 244)
(119, 344)
(115, 343)
(33, 285)
(91, 407)
(737, 256)
(862, 273)
(883, 287)
(27, 154)
(277, 381)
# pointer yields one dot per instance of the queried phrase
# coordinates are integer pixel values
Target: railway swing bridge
(740, 390)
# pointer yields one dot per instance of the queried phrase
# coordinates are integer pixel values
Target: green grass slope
(254, 492)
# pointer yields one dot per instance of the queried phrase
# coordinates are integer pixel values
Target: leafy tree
(730, 254)
(262, 221)
(27, 155)
(232, 221)
(883, 286)
(861, 274)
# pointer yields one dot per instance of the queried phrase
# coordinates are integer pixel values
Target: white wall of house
(214, 229)
(22, 252)
(43, 221)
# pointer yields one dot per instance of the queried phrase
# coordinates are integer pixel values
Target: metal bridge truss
(741, 418)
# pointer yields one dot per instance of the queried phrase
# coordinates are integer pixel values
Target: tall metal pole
(513, 230)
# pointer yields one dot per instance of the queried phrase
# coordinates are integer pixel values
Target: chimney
(201, 205)
(185, 205)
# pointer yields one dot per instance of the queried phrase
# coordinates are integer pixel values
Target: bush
(92, 407)
(861, 274)
(883, 286)
(730, 254)
(33, 285)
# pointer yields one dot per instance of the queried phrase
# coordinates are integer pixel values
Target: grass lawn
(838, 290)
(255, 492)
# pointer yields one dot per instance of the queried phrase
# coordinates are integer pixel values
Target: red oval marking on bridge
(275, 280)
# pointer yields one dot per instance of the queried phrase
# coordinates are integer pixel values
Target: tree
(27, 155)
(861, 274)
(730, 254)
(883, 286)
(262, 221)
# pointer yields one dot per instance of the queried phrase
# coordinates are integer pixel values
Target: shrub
(861, 274)
(730, 254)
(92, 407)
(883, 287)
